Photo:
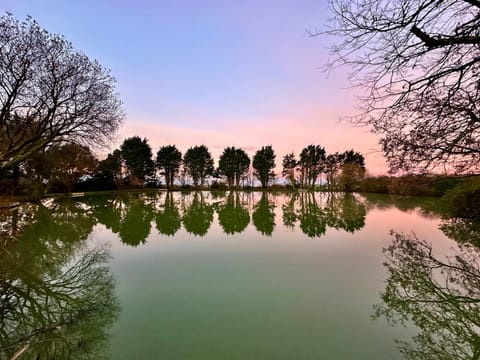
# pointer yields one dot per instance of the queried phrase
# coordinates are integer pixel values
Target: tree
(332, 166)
(353, 169)
(57, 168)
(416, 64)
(233, 164)
(109, 171)
(198, 163)
(311, 164)
(263, 164)
(137, 155)
(169, 159)
(70, 163)
(289, 164)
(50, 93)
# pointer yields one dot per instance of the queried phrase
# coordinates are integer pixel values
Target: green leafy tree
(233, 164)
(198, 163)
(289, 164)
(50, 93)
(169, 159)
(263, 165)
(137, 155)
(311, 164)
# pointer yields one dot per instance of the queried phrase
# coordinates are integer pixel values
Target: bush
(464, 199)
(375, 184)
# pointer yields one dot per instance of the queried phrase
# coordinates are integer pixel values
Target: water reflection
(440, 295)
(233, 217)
(263, 216)
(317, 212)
(168, 219)
(198, 215)
(131, 215)
(57, 295)
(464, 231)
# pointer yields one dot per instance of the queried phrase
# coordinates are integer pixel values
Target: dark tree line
(342, 170)
(70, 167)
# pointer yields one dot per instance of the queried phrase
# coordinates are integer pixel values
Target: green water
(238, 276)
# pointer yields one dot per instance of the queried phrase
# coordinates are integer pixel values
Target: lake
(238, 275)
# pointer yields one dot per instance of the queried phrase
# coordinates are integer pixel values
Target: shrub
(464, 199)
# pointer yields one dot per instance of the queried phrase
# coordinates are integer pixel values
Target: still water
(238, 276)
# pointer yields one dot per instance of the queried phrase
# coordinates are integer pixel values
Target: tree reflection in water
(316, 212)
(168, 220)
(198, 216)
(57, 295)
(263, 216)
(130, 215)
(136, 223)
(440, 296)
(233, 216)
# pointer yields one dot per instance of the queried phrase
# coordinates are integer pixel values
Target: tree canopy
(263, 164)
(311, 164)
(169, 159)
(233, 163)
(289, 165)
(50, 93)
(199, 163)
(137, 155)
(416, 64)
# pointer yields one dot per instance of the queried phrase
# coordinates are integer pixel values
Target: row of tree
(133, 162)
(64, 167)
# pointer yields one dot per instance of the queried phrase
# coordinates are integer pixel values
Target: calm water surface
(238, 276)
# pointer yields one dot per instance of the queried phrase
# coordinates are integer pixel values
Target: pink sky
(284, 134)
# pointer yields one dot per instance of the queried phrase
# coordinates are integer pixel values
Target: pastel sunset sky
(215, 72)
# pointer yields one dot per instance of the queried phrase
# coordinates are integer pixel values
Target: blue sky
(215, 72)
